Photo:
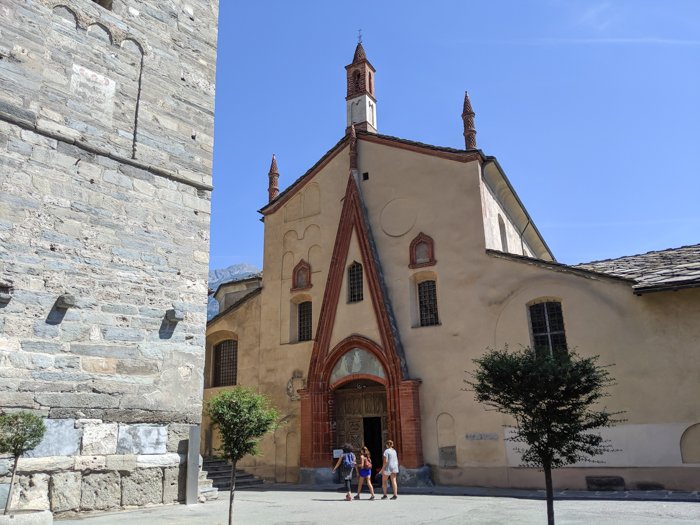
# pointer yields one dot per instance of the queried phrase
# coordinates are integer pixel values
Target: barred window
(225, 363)
(355, 283)
(305, 321)
(547, 325)
(427, 303)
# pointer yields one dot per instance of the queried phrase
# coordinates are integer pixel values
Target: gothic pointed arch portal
(317, 400)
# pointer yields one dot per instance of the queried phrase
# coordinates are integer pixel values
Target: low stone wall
(89, 464)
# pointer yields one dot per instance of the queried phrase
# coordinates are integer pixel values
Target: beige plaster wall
(492, 208)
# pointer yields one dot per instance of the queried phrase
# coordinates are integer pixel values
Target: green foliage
(242, 416)
(551, 398)
(20, 433)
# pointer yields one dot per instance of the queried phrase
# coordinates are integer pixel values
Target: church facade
(390, 265)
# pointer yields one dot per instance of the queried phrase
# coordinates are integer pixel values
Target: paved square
(278, 507)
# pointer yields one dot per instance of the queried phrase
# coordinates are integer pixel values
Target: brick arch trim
(422, 237)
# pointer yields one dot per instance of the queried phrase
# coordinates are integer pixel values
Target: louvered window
(305, 321)
(355, 283)
(427, 303)
(225, 363)
(547, 325)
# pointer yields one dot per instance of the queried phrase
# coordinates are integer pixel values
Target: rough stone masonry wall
(106, 140)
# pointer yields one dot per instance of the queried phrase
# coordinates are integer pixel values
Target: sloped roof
(253, 292)
(238, 280)
(670, 269)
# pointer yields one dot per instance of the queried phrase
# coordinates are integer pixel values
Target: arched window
(547, 326)
(357, 77)
(427, 303)
(422, 252)
(305, 321)
(355, 283)
(301, 276)
(502, 231)
(225, 363)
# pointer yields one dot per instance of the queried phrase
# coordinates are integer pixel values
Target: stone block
(64, 490)
(106, 351)
(42, 347)
(31, 361)
(5, 466)
(98, 365)
(122, 334)
(100, 491)
(160, 460)
(121, 462)
(174, 484)
(81, 400)
(61, 439)
(31, 492)
(142, 439)
(48, 464)
(17, 399)
(67, 362)
(415, 477)
(178, 438)
(137, 367)
(142, 487)
(90, 463)
(45, 331)
(100, 438)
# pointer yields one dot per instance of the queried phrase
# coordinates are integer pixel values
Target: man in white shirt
(390, 468)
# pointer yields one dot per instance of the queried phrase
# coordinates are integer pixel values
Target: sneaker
(384, 497)
(347, 498)
(394, 497)
(357, 497)
(371, 498)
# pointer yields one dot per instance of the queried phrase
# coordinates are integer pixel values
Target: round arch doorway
(361, 417)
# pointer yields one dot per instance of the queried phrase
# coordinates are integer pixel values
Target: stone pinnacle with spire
(274, 175)
(468, 118)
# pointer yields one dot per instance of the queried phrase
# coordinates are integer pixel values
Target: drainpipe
(522, 245)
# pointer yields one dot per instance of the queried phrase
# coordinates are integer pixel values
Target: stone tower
(361, 104)
(106, 137)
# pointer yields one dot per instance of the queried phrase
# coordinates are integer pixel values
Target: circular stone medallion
(398, 217)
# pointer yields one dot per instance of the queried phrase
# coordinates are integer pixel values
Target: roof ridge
(638, 255)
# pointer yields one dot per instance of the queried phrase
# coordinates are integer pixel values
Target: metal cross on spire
(359, 36)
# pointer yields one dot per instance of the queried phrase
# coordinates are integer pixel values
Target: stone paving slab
(322, 507)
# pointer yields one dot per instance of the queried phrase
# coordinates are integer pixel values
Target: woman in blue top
(347, 464)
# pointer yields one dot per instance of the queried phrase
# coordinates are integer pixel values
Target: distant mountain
(217, 277)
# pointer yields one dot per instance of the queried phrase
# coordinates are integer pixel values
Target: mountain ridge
(224, 275)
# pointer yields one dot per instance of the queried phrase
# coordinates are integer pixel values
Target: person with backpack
(365, 472)
(347, 464)
(390, 468)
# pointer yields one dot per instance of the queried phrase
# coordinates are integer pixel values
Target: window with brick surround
(107, 4)
(547, 326)
(305, 321)
(225, 363)
(422, 251)
(427, 303)
(355, 283)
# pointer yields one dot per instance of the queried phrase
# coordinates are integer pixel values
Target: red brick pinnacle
(468, 118)
(359, 54)
(274, 176)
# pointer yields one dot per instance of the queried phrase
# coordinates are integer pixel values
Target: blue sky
(592, 108)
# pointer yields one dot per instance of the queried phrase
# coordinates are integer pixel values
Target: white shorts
(387, 472)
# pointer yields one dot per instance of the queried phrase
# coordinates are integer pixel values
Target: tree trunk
(233, 488)
(550, 494)
(12, 484)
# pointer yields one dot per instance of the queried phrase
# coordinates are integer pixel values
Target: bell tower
(361, 104)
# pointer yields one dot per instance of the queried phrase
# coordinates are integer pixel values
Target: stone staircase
(207, 490)
(218, 473)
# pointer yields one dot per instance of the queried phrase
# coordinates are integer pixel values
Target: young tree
(550, 395)
(19, 433)
(242, 417)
